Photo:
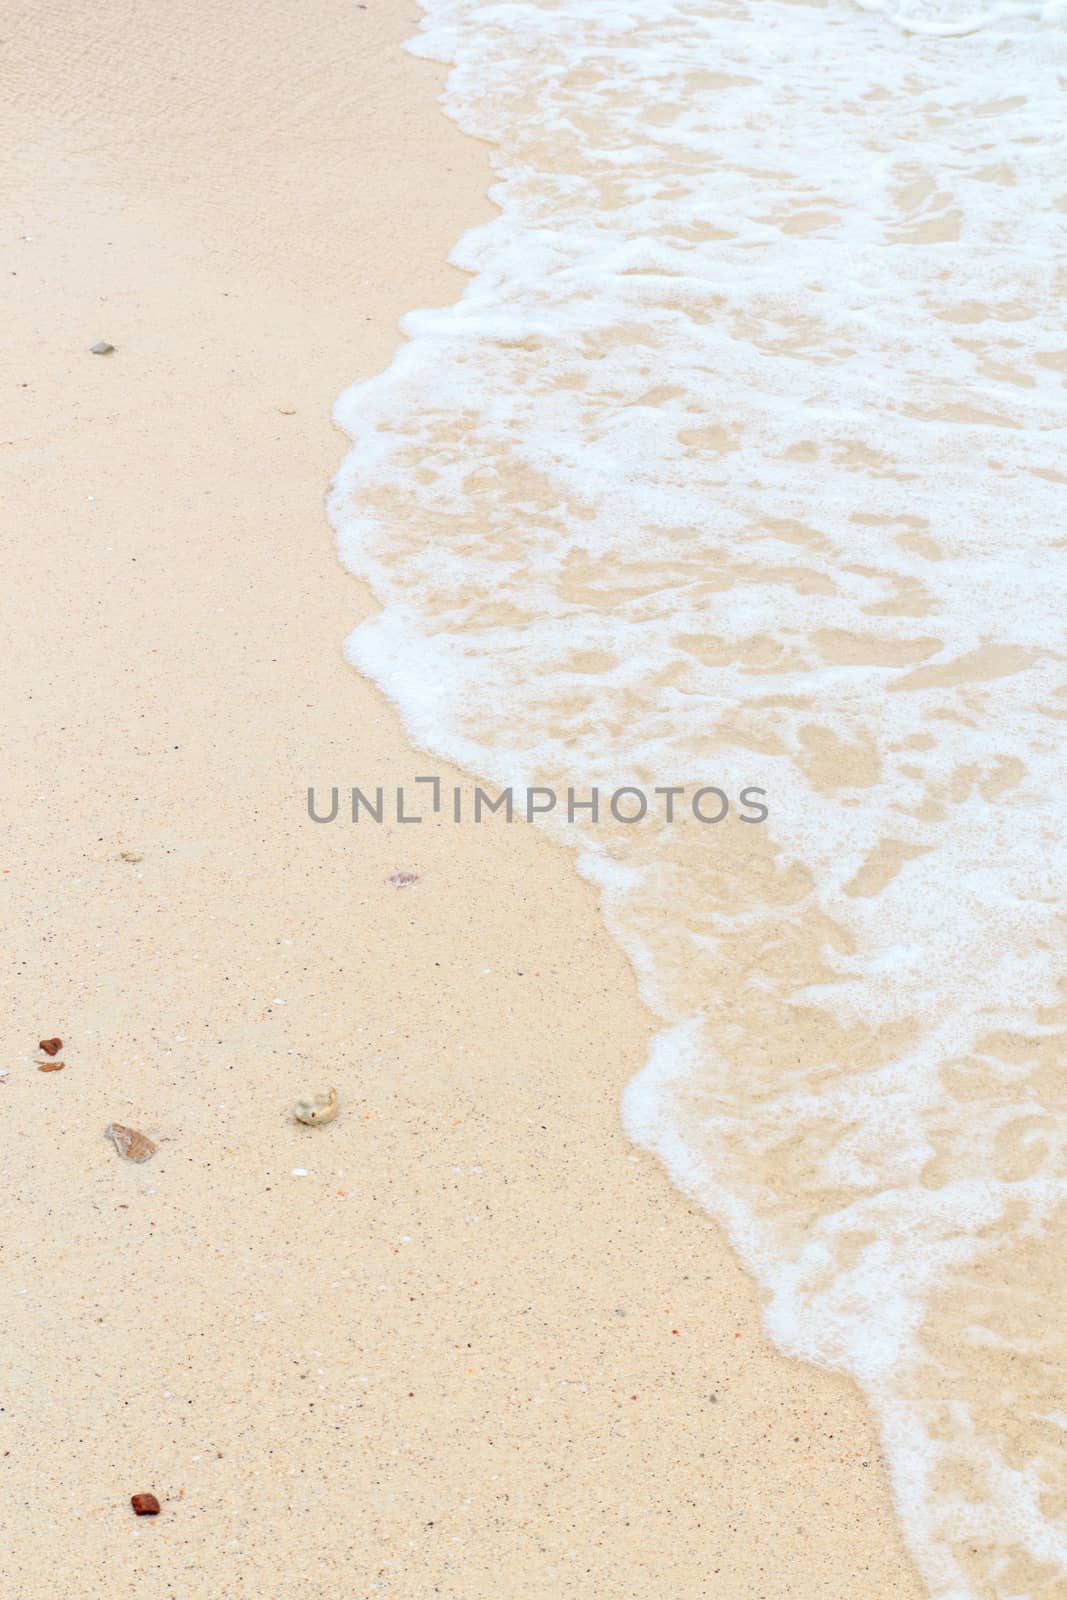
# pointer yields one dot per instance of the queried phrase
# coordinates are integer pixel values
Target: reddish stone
(51, 1047)
(145, 1505)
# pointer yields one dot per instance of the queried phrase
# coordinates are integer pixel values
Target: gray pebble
(101, 348)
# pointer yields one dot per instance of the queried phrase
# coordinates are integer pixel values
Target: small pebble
(51, 1047)
(50, 1066)
(313, 1108)
(102, 348)
(299, 1172)
(145, 1505)
(130, 855)
(400, 880)
(129, 1143)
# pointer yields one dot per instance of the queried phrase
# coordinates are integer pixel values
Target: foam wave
(744, 450)
(947, 19)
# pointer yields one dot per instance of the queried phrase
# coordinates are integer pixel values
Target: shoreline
(481, 1345)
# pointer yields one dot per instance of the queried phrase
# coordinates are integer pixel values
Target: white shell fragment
(314, 1108)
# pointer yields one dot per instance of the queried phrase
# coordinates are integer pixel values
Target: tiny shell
(129, 1143)
(50, 1066)
(314, 1108)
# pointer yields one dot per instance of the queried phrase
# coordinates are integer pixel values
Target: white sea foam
(742, 459)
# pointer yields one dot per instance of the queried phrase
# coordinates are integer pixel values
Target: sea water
(743, 461)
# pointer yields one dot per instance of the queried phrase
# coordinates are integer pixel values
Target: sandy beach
(480, 1347)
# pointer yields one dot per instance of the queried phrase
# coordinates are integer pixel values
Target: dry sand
(482, 1348)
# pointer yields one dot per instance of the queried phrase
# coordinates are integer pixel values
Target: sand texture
(481, 1348)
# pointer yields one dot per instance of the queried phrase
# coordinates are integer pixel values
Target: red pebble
(145, 1505)
(51, 1047)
